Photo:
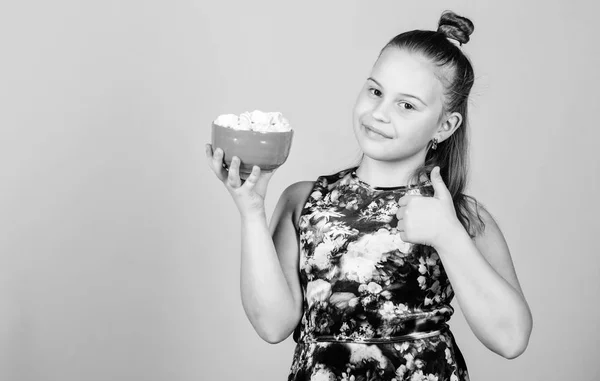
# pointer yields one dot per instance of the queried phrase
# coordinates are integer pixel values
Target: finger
(400, 213)
(233, 178)
(404, 200)
(208, 150)
(217, 164)
(400, 225)
(439, 187)
(252, 179)
(210, 157)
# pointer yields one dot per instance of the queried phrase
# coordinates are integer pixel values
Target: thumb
(439, 187)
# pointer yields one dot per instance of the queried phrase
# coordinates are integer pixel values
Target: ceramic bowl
(268, 150)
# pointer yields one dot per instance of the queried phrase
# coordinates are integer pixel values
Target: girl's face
(402, 99)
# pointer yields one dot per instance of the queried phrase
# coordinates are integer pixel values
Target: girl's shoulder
(298, 192)
(296, 196)
(299, 189)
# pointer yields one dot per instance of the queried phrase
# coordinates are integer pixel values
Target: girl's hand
(249, 195)
(427, 220)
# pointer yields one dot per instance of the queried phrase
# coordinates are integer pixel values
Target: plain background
(119, 248)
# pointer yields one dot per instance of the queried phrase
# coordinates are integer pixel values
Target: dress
(364, 288)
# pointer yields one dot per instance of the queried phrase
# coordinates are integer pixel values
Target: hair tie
(454, 41)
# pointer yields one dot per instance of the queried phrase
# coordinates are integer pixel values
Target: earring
(434, 144)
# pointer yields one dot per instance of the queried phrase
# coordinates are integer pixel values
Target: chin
(377, 152)
(381, 152)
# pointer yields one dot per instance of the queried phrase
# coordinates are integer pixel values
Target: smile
(373, 132)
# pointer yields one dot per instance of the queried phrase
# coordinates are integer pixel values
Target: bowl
(268, 150)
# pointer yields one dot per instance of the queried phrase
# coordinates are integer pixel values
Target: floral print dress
(375, 307)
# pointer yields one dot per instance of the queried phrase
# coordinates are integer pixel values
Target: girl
(362, 265)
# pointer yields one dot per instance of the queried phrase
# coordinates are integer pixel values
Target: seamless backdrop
(119, 249)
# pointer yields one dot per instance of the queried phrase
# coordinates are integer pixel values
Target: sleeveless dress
(375, 307)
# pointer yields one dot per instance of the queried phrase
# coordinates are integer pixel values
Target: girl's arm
(269, 284)
(483, 277)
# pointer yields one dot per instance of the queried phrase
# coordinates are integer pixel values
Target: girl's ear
(452, 122)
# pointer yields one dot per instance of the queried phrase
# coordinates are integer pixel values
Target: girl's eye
(406, 106)
(375, 92)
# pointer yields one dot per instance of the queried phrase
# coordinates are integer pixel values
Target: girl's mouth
(375, 133)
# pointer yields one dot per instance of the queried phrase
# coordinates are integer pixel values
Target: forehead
(400, 71)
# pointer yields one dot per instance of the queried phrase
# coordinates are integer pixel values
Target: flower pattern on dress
(363, 285)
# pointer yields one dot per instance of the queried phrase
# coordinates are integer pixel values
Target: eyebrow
(404, 94)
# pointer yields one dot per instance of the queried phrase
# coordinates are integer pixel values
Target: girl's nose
(380, 112)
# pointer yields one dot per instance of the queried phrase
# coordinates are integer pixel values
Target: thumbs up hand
(427, 220)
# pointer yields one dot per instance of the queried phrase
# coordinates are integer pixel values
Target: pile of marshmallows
(255, 121)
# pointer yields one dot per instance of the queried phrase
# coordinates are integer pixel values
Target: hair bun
(455, 26)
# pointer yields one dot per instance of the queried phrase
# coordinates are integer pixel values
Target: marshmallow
(255, 121)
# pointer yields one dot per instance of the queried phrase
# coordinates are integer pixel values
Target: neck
(388, 173)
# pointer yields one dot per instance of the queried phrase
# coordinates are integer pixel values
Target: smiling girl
(362, 265)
